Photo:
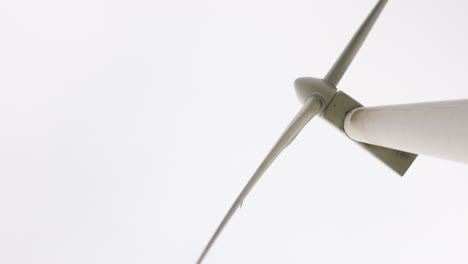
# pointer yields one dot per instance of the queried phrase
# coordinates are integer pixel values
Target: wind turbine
(391, 133)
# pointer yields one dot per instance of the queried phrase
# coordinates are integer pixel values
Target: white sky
(127, 129)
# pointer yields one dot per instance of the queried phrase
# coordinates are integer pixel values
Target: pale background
(127, 129)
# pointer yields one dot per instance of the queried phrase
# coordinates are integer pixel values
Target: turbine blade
(348, 54)
(312, 106)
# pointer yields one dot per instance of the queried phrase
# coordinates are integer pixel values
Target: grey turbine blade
(312, 106)
(348, 54)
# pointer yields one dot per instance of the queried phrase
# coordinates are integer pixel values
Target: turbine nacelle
(335, 105)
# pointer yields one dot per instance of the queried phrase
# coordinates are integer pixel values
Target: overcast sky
(127, 129)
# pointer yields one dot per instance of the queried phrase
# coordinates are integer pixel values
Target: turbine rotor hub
(309, 86)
